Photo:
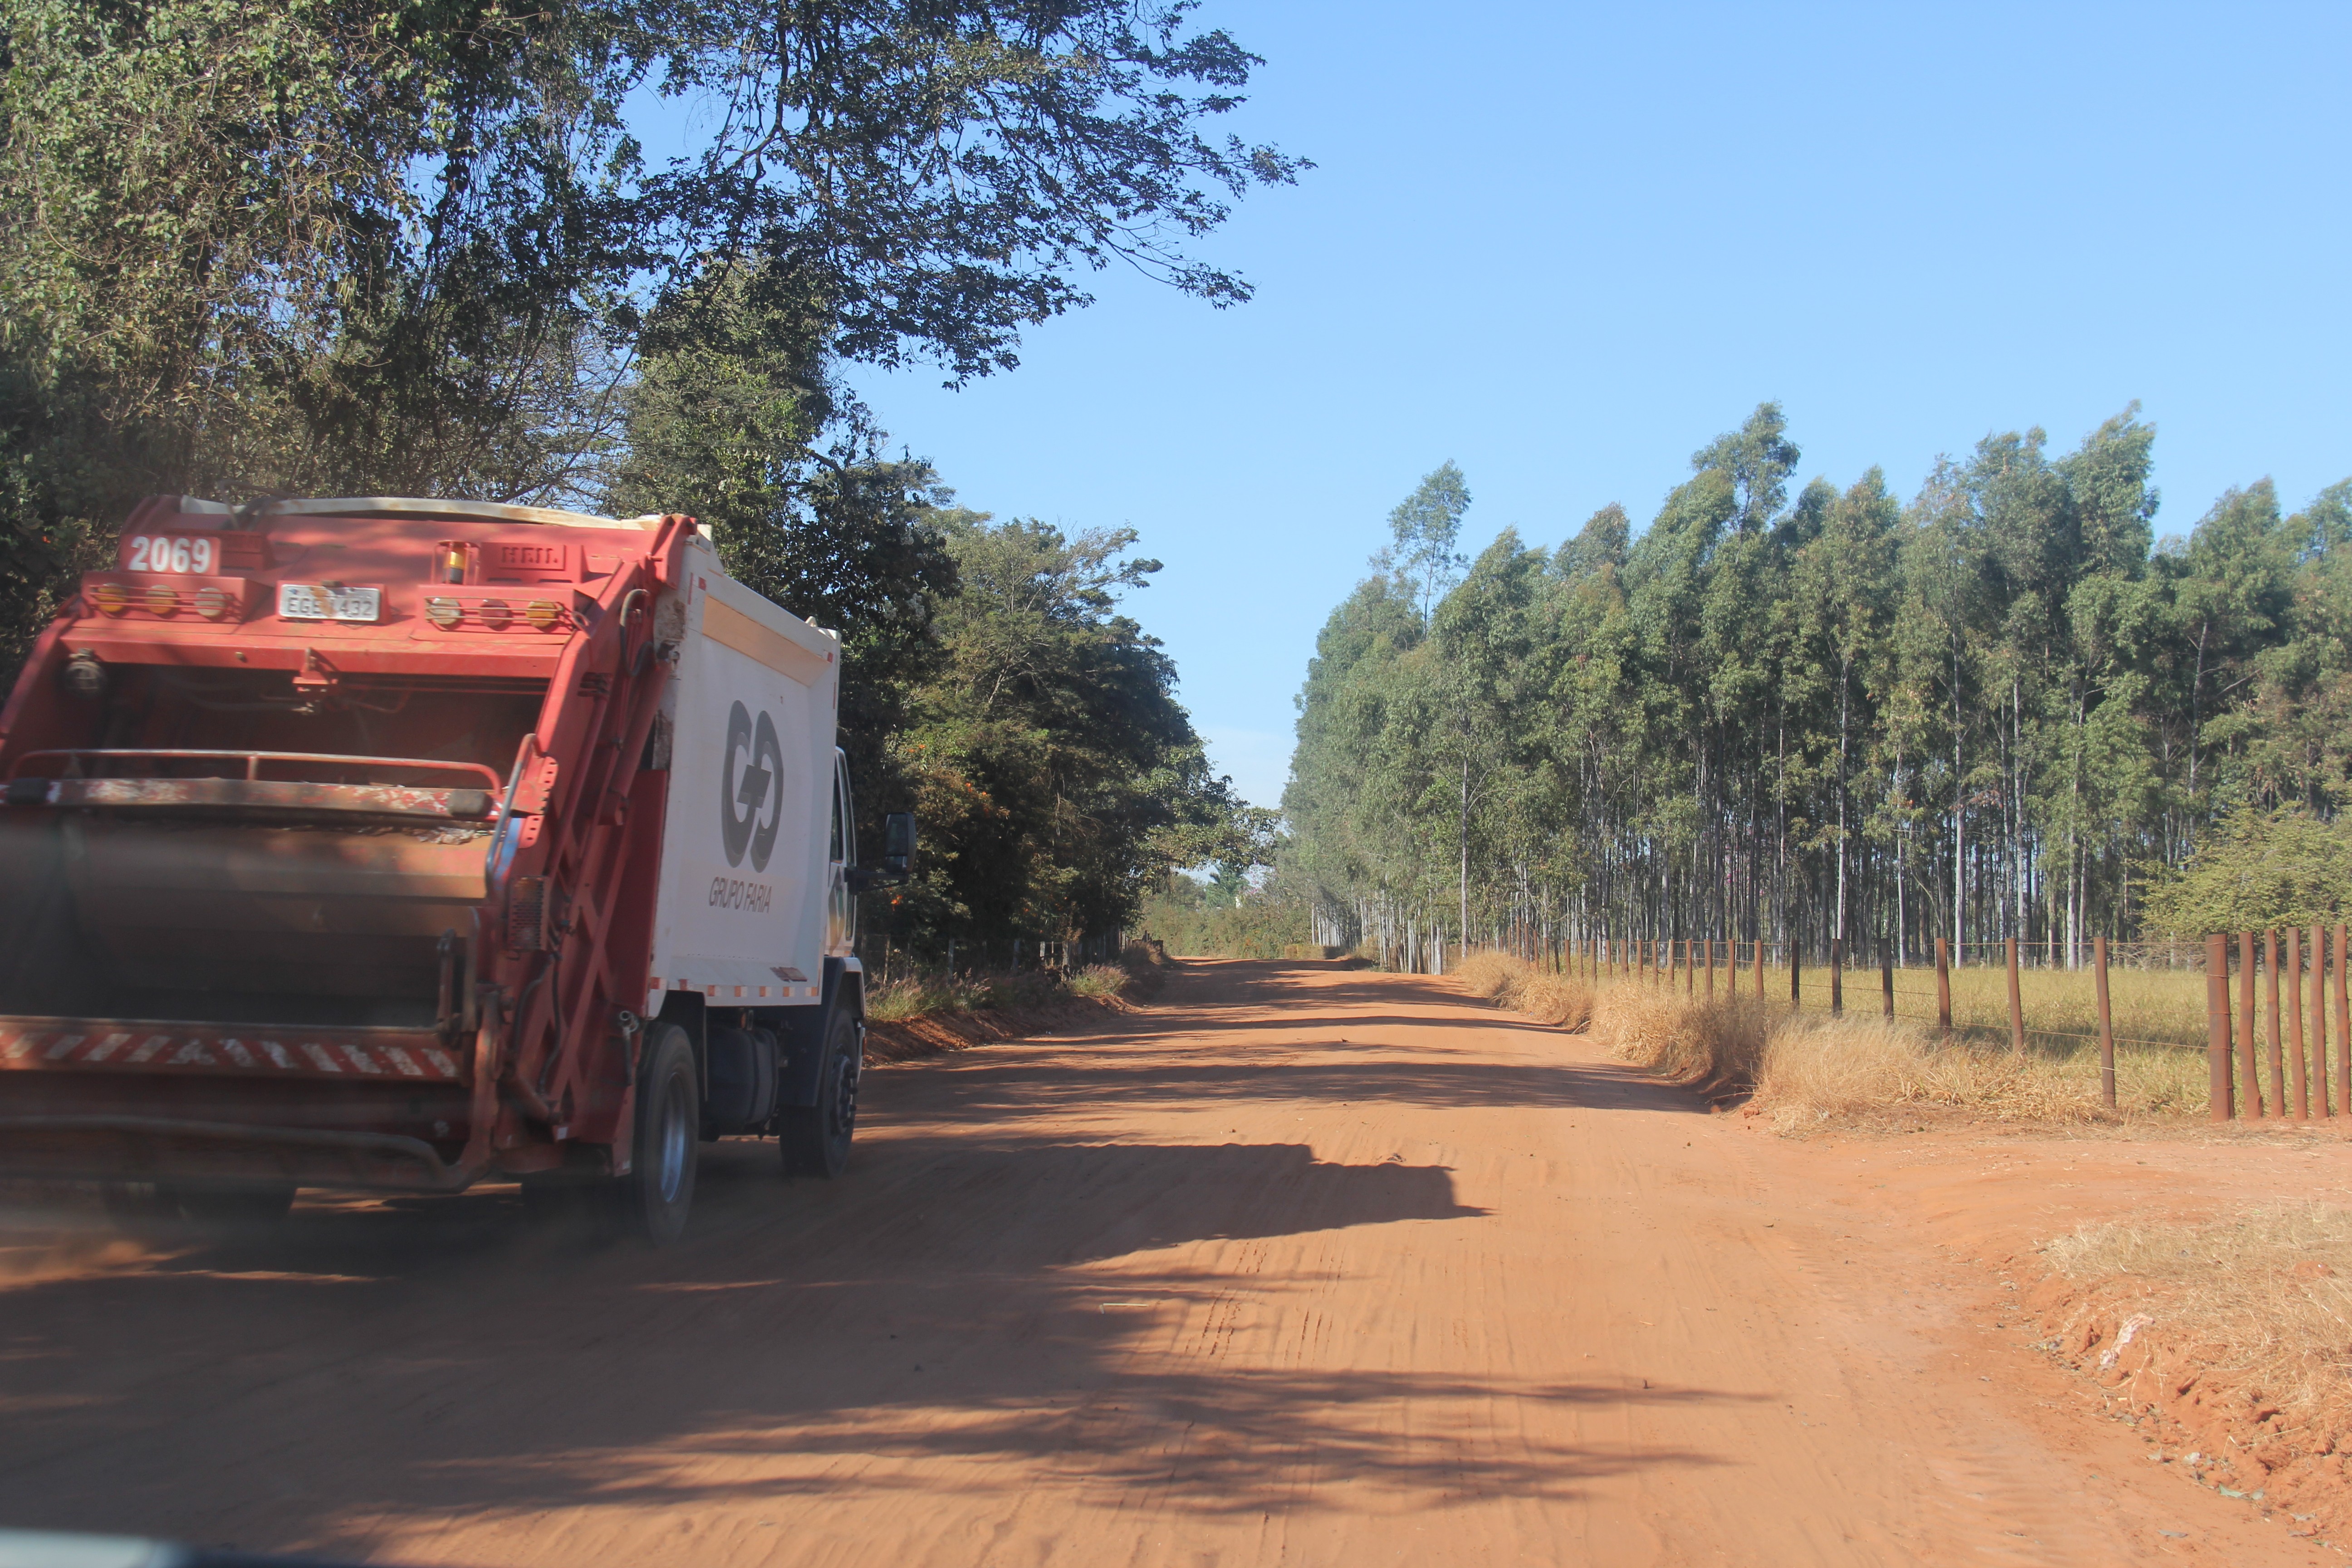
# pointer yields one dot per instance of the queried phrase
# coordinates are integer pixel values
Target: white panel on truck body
(744, 873)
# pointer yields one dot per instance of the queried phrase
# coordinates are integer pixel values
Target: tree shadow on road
(419, 1358)
(1040, 1308)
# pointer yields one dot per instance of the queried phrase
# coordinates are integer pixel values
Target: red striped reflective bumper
(85, 1045)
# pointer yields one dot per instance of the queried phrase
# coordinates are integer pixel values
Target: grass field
(2149, 1006)
(1812, 1065)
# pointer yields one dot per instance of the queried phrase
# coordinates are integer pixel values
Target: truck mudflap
(258, 1050)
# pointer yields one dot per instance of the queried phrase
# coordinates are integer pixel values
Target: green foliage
(1054, 773)
(1423, 531)
(2256, 870)
(734, 416)
(1197, 919)
(1833, 714)
(406, 247)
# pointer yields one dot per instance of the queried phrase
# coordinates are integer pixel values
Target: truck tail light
(445, 613)
(112, 598)
(163, 600)
(496, 613)
(212, 604)
(545, 614)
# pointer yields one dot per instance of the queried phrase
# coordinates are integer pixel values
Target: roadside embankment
(924, 1014)
(2227, 1343)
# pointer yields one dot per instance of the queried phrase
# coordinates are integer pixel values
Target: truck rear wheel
(659, 1189)
(816, 1137)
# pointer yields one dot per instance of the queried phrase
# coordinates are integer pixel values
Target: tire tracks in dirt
(1293, 1265)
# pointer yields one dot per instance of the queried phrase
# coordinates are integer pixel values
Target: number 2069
(160, 554)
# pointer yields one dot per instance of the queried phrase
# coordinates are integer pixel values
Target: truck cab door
(841, 903)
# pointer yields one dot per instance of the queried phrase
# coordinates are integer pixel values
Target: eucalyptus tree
(1998, 709)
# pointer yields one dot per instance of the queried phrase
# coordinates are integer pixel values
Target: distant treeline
(2001, 709)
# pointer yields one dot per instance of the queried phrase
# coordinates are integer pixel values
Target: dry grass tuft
(1812, 1067)
(1718, 1042)
(2266, 1293)
(926, 993)
(1104, 980)
(1809, 1068)
(1821, 1068)
(1514, 983)
(918, 996)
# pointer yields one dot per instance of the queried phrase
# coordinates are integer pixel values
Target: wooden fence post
(2275, 1105)
(2278, 1093)
(1837, 975)
(2319, 1020)
(1690, 967)
(1796, 976)
(2016, 1004)
(2298, 1071)
(1944, 985)
(2342, 1033)
(1759, 968)
(2298, 1059)
(2216, 1026)
(1710, 969)
(2108, 1022)
(1886, 977)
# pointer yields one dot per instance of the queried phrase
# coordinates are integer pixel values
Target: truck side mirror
(899, 844)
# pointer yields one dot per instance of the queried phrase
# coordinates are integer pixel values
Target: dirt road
(1295, 1266)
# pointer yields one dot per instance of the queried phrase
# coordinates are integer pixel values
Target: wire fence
(2268, 1053)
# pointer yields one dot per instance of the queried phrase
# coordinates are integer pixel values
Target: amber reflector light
(112, 597)
(163, 601)
(544, 614)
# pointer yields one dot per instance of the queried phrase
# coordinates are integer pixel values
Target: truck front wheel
(659, 1189)
(816, 1137)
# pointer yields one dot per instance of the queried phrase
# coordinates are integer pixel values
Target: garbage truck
(403, 845)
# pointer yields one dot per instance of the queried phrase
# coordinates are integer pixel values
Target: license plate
(322, 602)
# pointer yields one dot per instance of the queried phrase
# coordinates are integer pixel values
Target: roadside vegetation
(1806, 1068)
(1561, 999)
(2228, 1342)
(926, 993)
(1225, 915)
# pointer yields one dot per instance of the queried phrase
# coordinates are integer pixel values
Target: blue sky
(1566, 246)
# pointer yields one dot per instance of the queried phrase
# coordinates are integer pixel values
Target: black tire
(815, 1138)
(659, 1189)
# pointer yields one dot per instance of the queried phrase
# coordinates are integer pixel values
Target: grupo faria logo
(750, 794)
